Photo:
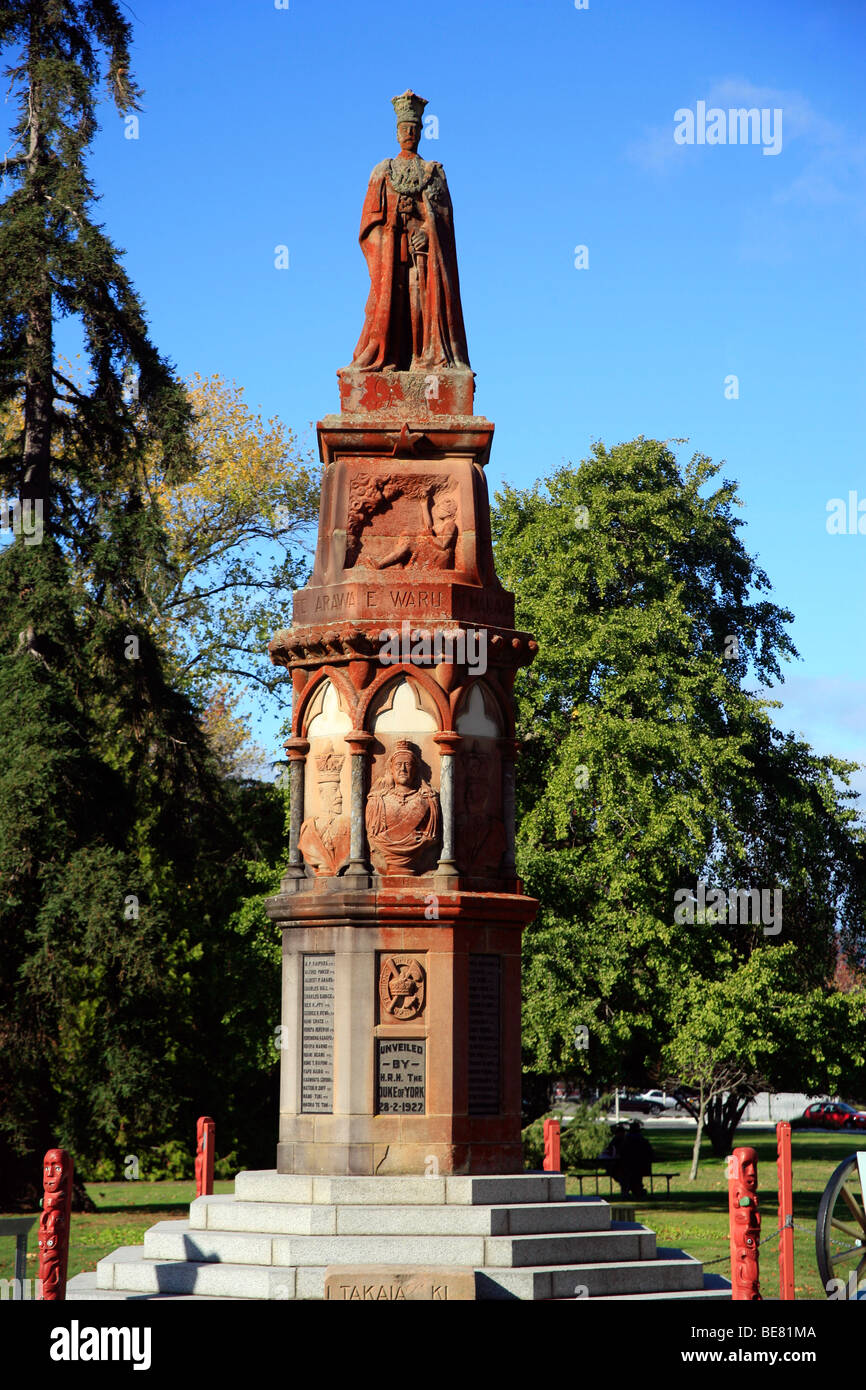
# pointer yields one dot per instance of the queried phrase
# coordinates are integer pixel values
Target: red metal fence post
(205, 1135)
(551, 1146)
(745, 1223)
(57, 1171)
(786, 1210)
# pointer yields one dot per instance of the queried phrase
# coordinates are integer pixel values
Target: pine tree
(55, 259)
(121, 848)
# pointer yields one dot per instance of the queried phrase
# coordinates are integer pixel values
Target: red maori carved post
(745, 1224)
(551, 1146)
(786, 1211)
(205, 1131)
(57, 1173)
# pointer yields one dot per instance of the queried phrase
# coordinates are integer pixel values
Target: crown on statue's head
(402, 746)
(409, 106)
(329, 764)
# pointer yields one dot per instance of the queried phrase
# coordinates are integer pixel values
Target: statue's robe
(383, 340)
(402, 826)
(324, 843)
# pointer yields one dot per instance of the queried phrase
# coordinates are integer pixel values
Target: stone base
(348, 1105)
(279, 1236)
(409, 395)
(377, 1159)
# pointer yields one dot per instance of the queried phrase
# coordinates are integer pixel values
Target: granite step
(176, 1240)
(128, 1270)
(83, 1288)
(716, 1289)
(672, 1272)
(226, 1213)
(499, 1190)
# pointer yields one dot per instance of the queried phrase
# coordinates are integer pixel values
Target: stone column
(297, 750)
(358, 867)
(508, 749)
(448, 743)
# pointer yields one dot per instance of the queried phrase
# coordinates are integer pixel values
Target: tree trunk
(38, 401)
(696, 1151)
(724, 1113)
(39, 360)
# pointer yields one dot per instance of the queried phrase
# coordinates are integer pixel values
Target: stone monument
(402, 919)
(399, 1168)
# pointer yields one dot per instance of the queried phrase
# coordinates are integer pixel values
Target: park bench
(17, 1227)
(596, 1173)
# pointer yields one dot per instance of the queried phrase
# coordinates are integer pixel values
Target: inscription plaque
(484, 1041)
(401, 1076)
(317, 1035)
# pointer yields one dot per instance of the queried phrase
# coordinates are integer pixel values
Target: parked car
(658, 1101)
(629, 1101)
(647, 1102)
(830, 1114)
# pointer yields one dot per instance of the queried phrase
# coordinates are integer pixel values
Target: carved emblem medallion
(401, 987)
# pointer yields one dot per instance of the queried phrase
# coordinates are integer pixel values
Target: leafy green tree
(649, 764)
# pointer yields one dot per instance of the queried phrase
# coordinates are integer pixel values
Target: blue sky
(260, 126)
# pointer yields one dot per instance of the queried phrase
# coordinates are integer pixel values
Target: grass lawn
(694, 1216)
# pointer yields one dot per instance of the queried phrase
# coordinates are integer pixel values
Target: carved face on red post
(56, 1170)
(749, 1174)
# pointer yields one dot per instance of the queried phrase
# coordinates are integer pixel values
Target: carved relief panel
(479, 830)
(325, 831)
(402, 988)
(403, 816)
(415, 515)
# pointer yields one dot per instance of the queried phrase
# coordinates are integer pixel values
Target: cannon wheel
(840, 1235)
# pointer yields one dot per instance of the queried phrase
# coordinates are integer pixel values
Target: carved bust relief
(324, 838)
(402, 815)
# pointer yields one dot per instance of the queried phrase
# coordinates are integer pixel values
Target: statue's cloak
(444, 334)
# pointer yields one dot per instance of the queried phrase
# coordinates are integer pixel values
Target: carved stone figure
(54, 1223)
(432, 547)
(403, 814)
(480, 837)
(414, 320)
(395, 519)
(324, 839)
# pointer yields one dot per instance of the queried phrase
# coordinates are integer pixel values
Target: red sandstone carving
(414, 318)
(745, 1224)
(324, 839)
(391, 547)
(480, 837)
(402, 814)
(401, 987)
(204, 1156)
(57, 1173)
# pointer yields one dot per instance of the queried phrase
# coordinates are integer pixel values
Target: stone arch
(316, 692)
(479, 712)
(436, 700)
